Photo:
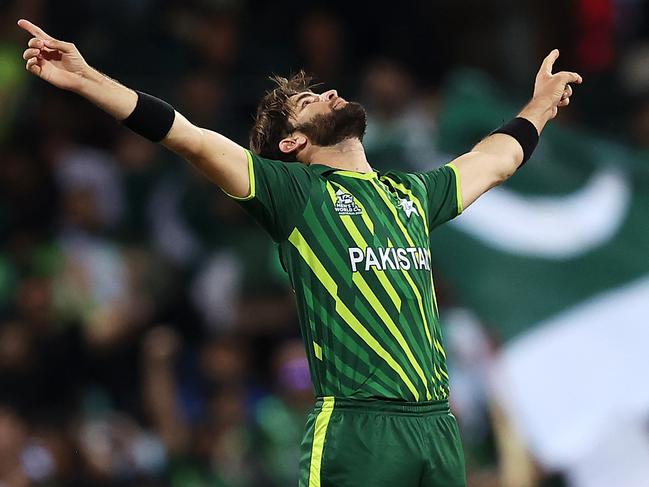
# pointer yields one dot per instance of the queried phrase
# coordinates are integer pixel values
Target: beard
(348, 122)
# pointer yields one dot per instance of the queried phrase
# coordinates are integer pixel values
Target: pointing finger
(33, 29)
(549, 60)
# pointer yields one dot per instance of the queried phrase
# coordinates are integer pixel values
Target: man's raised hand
(554, 88)
(55, 61)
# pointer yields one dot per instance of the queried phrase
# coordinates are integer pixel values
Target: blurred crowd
(148, 335)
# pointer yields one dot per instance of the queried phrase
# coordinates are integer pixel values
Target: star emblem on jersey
(408, 206)
(345, 204)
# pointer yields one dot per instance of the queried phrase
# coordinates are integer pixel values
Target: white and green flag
(557, 262)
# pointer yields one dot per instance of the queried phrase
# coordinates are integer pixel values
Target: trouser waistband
(390, 406)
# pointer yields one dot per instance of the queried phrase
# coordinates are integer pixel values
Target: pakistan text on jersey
(398, 258)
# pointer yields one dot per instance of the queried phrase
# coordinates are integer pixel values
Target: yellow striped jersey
(356, 248)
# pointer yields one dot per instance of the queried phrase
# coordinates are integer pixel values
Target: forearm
(507, 151)
(160, 390)
(539, 111)
(497, 157)
(217, 157)
(119, 101)
(551, 91)
(160, 402)
(109, 95)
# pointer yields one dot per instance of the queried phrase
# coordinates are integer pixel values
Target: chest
(370, 213)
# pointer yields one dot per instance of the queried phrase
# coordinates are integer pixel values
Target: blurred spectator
(402, 122)
(215, 446)
(90, 182)
(141, 167)
(280, 417)
(211, 30)
(322, 44)
(13, 439)
(115, 450)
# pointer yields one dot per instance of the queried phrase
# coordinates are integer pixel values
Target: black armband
(152, 118)
(525, 134)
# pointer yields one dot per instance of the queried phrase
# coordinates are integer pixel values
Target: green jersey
(357, 252)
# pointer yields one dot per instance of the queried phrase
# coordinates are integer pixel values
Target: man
(356, 247)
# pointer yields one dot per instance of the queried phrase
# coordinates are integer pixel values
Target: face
(327, 119)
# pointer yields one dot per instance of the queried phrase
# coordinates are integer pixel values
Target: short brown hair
(272, 122)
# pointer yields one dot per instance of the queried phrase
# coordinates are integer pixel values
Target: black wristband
(152, 118)
(525, 134)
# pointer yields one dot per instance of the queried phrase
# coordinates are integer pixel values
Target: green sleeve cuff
(458, 187)
(251, 178)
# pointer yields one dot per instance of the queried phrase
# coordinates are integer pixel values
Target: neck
(348, 155)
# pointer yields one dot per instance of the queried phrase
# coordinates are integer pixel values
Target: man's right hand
(57, 62)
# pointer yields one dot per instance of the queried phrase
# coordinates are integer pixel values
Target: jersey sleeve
(279, 192)
(443, 194)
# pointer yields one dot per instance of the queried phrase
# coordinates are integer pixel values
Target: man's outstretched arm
(496, 157)
(62, 65)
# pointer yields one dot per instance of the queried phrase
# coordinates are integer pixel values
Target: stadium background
(147, 332)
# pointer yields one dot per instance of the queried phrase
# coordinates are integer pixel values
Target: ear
(293, 143)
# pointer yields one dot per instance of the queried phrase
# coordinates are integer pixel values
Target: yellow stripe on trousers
(321, 423)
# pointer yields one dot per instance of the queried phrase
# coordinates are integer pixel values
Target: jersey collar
(322, 170)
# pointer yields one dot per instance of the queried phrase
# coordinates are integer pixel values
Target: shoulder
(279, 169)
(412, 181)
(277, 164)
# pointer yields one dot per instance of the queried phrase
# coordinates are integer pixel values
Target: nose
(329, 95)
